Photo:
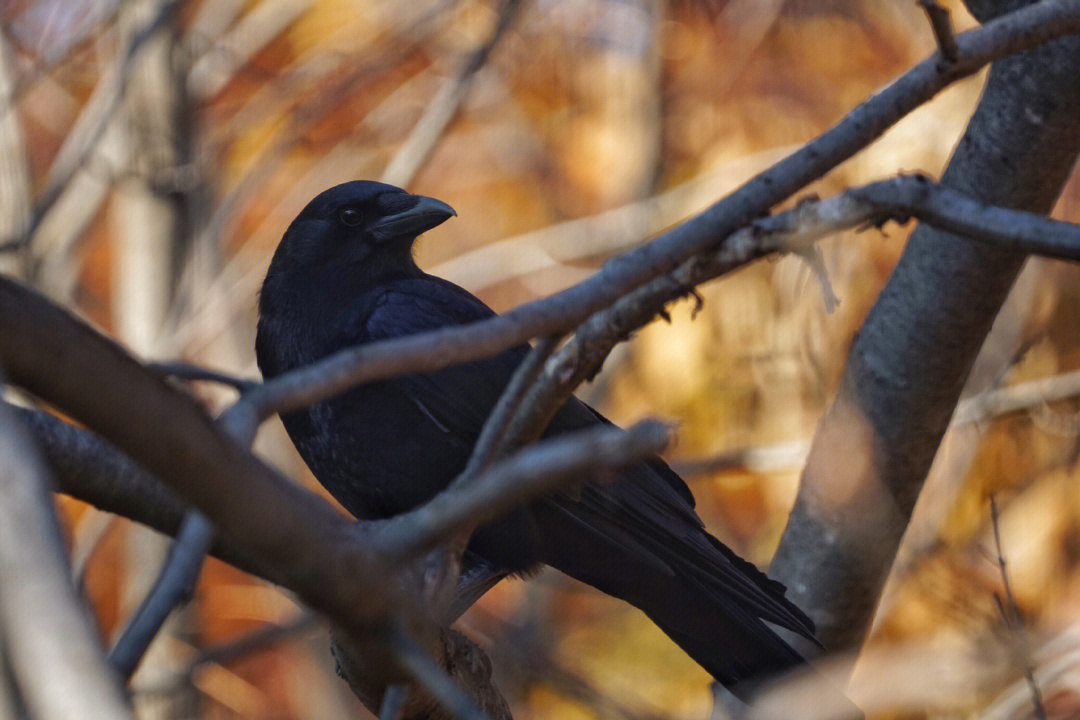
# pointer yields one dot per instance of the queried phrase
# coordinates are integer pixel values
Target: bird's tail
(714, 605)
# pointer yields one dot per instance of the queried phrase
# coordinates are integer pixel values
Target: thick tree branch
(64, 362)
(47, 634)
(911, 357)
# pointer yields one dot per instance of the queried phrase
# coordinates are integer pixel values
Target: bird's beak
(410, 215)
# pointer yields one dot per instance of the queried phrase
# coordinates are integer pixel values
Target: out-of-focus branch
(1014, 33)
(15, 187)
(93, 121)
(228, 54)
(418, 147)
(58, 47)
(1022, 396)
(601, 235)
(173, 585)
(48, 636)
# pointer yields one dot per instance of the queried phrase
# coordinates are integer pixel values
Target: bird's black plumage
(344, 276)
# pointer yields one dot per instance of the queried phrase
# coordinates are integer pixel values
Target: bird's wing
(648, 513)
(458, 398)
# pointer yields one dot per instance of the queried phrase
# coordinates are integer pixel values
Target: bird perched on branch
(344, 276)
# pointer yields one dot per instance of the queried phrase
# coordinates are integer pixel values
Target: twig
(960, 214)
(1013, 33)
(187, 371)
(418, 147)
(490, 444)
(1022, 396)
(1010, 612)
(253, 641)
(942, 27)
(393, 702)
(429, 675)
(174, 585)
(517, 479)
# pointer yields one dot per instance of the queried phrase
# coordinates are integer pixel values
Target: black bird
(343, 276)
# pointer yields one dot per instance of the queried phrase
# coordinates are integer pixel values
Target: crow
(344, 275)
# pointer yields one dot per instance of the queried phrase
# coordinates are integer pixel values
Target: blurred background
(152, 153)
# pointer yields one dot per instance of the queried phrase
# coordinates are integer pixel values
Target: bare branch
(942, 27)
(174, 585)
(1011, 614)
(187, 371)
(520, 478)
(1016, 32)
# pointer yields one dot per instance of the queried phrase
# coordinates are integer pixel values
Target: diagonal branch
(433, 350)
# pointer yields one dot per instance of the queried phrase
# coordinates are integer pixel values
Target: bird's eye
(350, 217)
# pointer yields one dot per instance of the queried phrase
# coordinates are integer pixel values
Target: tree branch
(433, 350)
(55, 656)
(911, 356)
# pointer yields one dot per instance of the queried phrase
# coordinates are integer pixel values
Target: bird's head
(354, 235)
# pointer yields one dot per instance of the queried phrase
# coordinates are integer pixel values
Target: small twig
(393, 702)
(253, 642)
(899, 198)
(942, 27)
(174, 585)
(490, 444)
(519, 478)
(426, 673)
(187, 371)
(1010, 611)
